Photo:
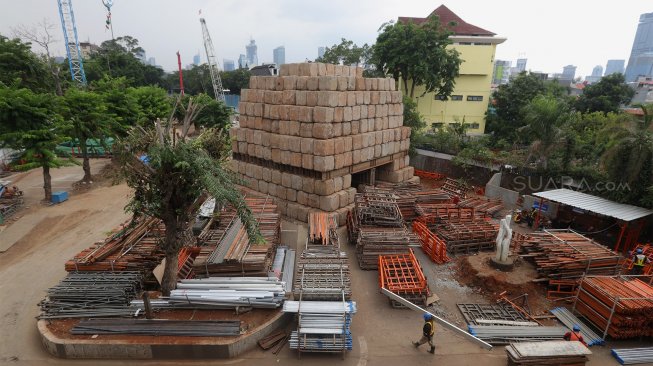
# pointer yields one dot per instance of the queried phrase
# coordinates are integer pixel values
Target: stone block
(311, 98)
(342, 99)
(300, 97)
(294, 143)
(337, 129)
(323, 163)
(322, 130)
(346, 181)
(293, 128)
(338, 183)
(302, 197)
(296, 159)
(356, 156)
(323, 114)
(306, 130)
(270, 82)
(327, 98)
(286, 179)
(314, 200)
(301, 82)
(343, 198)
(338, 114)
(367, 97)
(396, 97)
(347, 114)
(330, 69)
(296, 182)
(263, 187)
(272, 189)
(323, 147)
(312, 83)
(328, 83)
(307, 161)
(289, 82)
(306, 146)
(343, 83)
(285, 157)
(329, 203)
(321, 69)
(308, 185)
(284, 70)
(253, 82)
(288, 97)
(293, 69)
(352, 194)
(307, 69)
(291, 194)
(281, 192)
(361, 84)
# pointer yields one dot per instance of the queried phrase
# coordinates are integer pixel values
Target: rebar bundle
(159, 327)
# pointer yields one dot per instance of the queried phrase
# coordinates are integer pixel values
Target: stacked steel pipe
(402, 274)
(565, 254)
(323, 326)
(619, 306)
(633, 356)
(133, 248)
(226, 248)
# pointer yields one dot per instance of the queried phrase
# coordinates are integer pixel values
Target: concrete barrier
(123, 349)
(494, 190)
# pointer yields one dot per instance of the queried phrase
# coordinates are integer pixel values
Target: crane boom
(212, 61)
(73, 51)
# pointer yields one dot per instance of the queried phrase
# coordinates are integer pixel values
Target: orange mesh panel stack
(402, 274)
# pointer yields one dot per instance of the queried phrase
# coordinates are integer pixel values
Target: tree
(414, 120)
(211, 113)
(509, 102)
(153, 103)
(346, 53)
(169, 175)
(234, 81)
(544, 116)
(20, 67)
(418, 55)
(41, 35)
(605, 96)
(29, 125)
(87, 118)
(121, 106)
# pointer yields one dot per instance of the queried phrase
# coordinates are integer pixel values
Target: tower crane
(73, 51)
(212, 61)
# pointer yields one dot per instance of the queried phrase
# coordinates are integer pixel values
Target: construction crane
(212, 61)
(73, 51)
(181, 75)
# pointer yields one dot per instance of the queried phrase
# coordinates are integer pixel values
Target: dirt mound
(109, 175)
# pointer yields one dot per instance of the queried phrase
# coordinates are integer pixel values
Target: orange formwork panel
(402, 274)
(434, 247)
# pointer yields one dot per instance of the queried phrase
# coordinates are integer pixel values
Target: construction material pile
(647, 250)
(494, 314)
(402, 274)
(408, 195)
(377, 208)
(455, 188)
(227, 249)
(322, 274)
(482, 205)
(467, 237)
(92, 294)
(11, 199)
(559, 353)
(432, 245)
(133, 248)
(633, 356)
(619, 306)
(159, 327)
(324, 326)
(323, 228)
(283, 266)
(375, 241)
(447, 212)
(275, 340)
(564, 254)
(222, 293)
(567, 318)
(504, 334)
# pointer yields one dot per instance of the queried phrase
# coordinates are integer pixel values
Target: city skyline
(584, 41)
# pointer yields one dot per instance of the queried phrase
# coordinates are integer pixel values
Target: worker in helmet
(639, 261)
(428, 330)
(574, 335)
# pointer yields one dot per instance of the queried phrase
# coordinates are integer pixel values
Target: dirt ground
(34, 248)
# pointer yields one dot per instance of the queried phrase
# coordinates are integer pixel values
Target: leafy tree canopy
(19, 66)
(153, 103)
(605, 96)
(346, 53)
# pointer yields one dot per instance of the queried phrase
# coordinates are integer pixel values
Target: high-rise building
(320, 51)
(196, 59)
(151, 61)
(597, 73)
(639, 63)
(521, 64)
(243, 63)
(228, 65)
(252, 56)
(501, 74)
(569, 72)
(279, 55)
(614, 66)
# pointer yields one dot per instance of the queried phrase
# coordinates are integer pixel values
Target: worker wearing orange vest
(428, 330)
(639, 261)
(574, 335)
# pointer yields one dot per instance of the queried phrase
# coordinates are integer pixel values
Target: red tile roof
(446, 16)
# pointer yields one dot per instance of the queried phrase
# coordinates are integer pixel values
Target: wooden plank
(550, 348)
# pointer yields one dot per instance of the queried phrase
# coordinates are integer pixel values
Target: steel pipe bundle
(565, 254)
(504, 334)
(91, 294)
(229, 292)
(633, 356)
(320, 307)
(569, 320)
(323, 326)
(619, 306)
(159, 327)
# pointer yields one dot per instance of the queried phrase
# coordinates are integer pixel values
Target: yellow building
(471, 95)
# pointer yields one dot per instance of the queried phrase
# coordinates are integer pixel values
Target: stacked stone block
(303, 134)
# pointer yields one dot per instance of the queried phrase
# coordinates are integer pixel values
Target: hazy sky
(551, 34)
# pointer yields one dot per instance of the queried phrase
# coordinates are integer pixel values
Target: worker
(427, 333)
(574, 335)
(639, 261)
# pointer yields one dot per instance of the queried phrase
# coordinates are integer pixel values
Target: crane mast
(212, 61)
(73, 51)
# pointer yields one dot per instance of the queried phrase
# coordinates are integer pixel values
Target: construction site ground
(34, 247)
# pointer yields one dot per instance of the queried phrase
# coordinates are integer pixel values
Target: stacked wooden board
(559, 353)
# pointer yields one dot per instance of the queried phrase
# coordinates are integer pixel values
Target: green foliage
(212, 113)
(20, 67)
(414, 120)
(122, 106)
(346, 53)
(475, 152)
(509, 101)
(418, 55)
(605, 96)
(153, 102)
(234, 81)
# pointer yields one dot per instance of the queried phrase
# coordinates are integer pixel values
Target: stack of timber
(467, 237)
(227, 249)
(275, 340)
(559, 353)
(483, 205)
(159, 327)
(619, 306)
(133, 248)
(376, 241)
(92, 294)
(566, 254)
(322, 228)
(402, 274)
(455, 188)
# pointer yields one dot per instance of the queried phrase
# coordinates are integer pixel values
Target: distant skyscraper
(196, 59)
(597, 72)
(320, 51)
(569, 72)
(521, 64)
(614, 66)
(151, 61)
(252, 56)
(501, 74)
(279, 55)
(243, 63)
(228, 65)
(639, 63)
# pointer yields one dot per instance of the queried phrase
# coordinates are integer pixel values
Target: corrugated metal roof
(594, 204)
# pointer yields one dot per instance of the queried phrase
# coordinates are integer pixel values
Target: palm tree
(544, 116)
(169, 174)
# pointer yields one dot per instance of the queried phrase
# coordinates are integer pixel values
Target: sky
(550, 34)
